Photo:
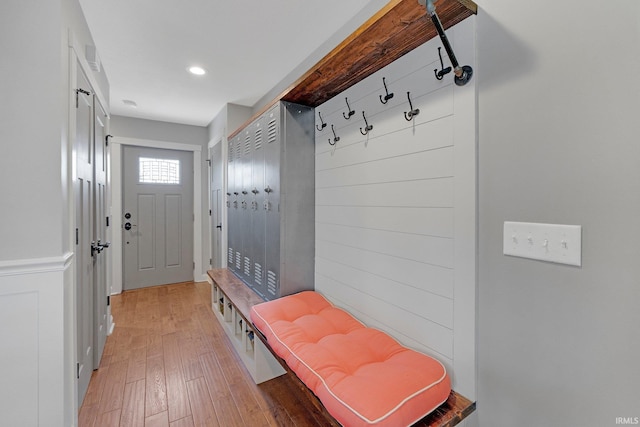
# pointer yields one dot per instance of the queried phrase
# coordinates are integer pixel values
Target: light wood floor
(168, 363)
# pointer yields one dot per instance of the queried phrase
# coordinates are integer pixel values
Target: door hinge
(209, 162)
(194, 265)
(77, 237)
(209, 212)
(107, 221)
(78, 91)
(108, 300)
(210, 261)
(78, 370)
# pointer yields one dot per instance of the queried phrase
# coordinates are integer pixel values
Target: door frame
(223, 211)
(115, 145)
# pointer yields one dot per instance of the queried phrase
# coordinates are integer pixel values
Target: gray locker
(237, 204)
(272, 231)
(231, 217)
(258, 225)
(244, 213)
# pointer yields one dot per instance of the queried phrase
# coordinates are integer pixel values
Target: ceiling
(247, 48)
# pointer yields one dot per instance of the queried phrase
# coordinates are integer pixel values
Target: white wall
(30, 130)
(558, 143)
(36, 218)
(395, 209)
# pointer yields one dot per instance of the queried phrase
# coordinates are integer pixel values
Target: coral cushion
(362, 376)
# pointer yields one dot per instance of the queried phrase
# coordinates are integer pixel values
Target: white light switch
(545, 242)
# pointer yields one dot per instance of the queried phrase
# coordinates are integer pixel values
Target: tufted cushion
(362, 376)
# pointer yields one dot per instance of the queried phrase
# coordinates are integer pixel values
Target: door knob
(128, 225)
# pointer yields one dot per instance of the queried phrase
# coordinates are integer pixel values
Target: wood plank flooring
(168, 363)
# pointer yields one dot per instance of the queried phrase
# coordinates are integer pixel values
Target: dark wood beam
(397, 29)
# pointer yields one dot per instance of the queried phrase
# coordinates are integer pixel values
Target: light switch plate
(546, 242)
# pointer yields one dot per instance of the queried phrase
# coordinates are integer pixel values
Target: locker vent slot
(238, 261)
(272, 131)
(257, 275)
(231, 151)
(258, 143)
(230, 256)
(247, 145)
(238, 152)
(272, 282)
(247, 267)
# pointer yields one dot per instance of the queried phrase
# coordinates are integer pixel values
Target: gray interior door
(100, 234)
(215, 202)
(157, 217)
(83, 188)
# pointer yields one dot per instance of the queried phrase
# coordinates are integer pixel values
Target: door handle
(128, 225)
(95, 248)
(219, 226)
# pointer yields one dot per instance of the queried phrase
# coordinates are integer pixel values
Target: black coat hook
(412, 113)
(443, 71)
(351, 112)
(322, 123)
(388, 95)
(335, 138)
(367, 126)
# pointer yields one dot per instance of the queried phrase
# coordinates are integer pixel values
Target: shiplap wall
(396, 209)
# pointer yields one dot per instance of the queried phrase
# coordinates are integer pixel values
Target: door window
(159, 171)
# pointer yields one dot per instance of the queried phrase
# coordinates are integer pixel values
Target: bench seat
(361, 375)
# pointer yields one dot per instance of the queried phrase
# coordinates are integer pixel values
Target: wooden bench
(232, 301)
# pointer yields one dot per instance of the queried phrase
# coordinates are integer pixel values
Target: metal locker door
(237, 208)
(257, 212)
(245, 217)
(272, 202)
(231, 227)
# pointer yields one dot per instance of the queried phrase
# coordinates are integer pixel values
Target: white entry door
(157, 217)
(84, 254)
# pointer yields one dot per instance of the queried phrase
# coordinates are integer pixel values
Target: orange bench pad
(361, 375)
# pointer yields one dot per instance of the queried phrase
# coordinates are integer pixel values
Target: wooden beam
(395, 30)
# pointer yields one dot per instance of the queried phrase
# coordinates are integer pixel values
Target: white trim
(465, 217)
(115, 145)
(35, 265)
(156, 144)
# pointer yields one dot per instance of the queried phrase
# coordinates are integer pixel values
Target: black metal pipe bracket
(462, 74)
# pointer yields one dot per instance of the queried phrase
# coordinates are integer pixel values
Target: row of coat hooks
(408, 115)
(462, 76)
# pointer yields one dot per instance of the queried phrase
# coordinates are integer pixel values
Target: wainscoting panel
(35, 332)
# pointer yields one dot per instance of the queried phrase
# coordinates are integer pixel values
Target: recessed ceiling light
(198, 71)
(130, 103)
